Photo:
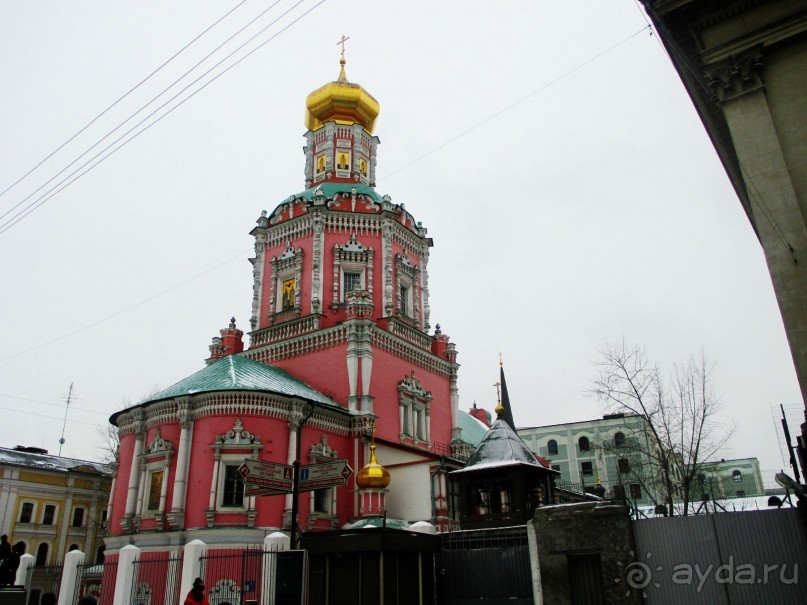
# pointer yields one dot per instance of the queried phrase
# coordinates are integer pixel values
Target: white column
(59, 545)
(191, 566)
(125, 576)
(111, 496)
(134, 476)
(69, 576)
(180, 477)
(273, 543)
(352, 373)
(293, 435)
(366, 374)
(26, 562)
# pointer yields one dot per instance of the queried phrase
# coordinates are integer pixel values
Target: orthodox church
(341, 357)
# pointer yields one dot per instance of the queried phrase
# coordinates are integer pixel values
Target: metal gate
(42, 579)
(156, 580)
(485, 566)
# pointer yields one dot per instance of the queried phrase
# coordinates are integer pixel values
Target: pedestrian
(196, 596)
(88, 599)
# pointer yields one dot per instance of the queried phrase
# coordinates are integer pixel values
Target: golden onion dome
(373, 475)
(342, 102)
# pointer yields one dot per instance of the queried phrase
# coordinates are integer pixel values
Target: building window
(556, 467)
(619, 439)
(404, 295)
(351, 281)
(737, 476)
(413, 401)
(322, 500)
(552, 447)
(42, 555)
(27, 512)
(50, 512)
(587, 469)
(155, 490)
(233, 489)
(619, 492)
(623, 465)
(584, 444)
(740, 493)
(635, 491)
(78, 517)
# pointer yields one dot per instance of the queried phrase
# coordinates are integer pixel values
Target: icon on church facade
(343, 161)
(321, 163)
(289, 287)
(363, 166)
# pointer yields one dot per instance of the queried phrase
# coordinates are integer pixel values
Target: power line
(96, 118)
(127, 309)
(49, 403)
(516, 103)
(65, 182)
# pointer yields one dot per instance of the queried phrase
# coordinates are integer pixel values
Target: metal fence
(721, 559)
(466, 561)
(42, 579)
(156, 580)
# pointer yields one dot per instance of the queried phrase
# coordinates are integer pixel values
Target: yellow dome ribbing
(341, 101)
(373, 475)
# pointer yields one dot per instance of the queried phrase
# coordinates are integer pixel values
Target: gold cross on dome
(342, 43)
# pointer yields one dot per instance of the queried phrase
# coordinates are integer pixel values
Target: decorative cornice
(736, 75)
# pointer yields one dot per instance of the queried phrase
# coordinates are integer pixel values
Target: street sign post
(327, 474)
(266, 476)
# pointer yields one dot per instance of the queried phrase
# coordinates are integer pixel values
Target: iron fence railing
(42, 579)
(156, 580)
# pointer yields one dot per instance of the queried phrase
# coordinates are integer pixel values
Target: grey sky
(594, 210)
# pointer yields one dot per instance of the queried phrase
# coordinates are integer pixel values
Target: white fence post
(274, 543)
(67, 590)
(191, 566)
(26, 562)
(123, 582)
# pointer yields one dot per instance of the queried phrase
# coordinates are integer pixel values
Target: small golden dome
(373, 475)
(343, 102)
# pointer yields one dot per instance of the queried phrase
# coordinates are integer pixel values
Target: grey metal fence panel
(156, 580)
(42, 579)
(720, 559)
(765, 556)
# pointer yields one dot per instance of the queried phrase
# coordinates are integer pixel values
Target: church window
(405, 300)
(415, 417)
(286, 278)
(584, 444)
(78, 517)
(342, 161)
(351, 281)
(42, 554)
(552, 447)
(635, 491)
(619, 439)
(321, 500)
(587, 469)
(623, 465)
(50, 512)
(737, 476)
(27, 512)
(233, 489)
(155, 485)
(320, 163)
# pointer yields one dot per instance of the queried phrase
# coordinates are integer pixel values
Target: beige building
(743, 64)
(52, 504)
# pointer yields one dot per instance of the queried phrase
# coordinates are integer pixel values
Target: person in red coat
(196, 596)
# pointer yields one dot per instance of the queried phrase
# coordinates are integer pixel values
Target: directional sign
(327, 474)
(250, 489)
(266, 475)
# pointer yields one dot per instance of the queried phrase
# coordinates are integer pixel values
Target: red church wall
(325, 371)
(125, 453)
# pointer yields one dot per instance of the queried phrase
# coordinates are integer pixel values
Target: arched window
(552, 447)
(42, 554)
(619, 439)
(737, 476)
(584, 444)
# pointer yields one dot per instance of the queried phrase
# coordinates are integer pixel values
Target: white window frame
(33, 512)
(354, 269)
(414, 411)
(321, 452)
(55, 519)
(83, 510)
(229, 460)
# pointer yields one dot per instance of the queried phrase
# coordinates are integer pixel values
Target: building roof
(473, 429)
(501, 447)
(330, 189)
(237, 373)
(49, 462)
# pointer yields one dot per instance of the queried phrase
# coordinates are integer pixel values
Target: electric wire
(129, 308)
(515, 104)
(104, 112)
(59, 405)
(58, 187)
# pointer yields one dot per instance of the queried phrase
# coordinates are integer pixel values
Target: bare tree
(108, 443)
(679, 431)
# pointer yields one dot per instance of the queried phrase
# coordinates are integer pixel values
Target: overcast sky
(593, 210)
